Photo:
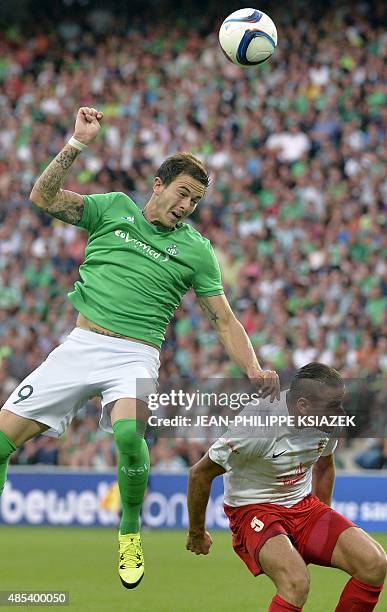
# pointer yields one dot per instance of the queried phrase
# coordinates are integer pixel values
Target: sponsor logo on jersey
(275, 455)
(172, 249)
(143, 247)
(298, 474)
(130, 218)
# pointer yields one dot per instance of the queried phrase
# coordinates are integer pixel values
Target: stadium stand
(296, 209)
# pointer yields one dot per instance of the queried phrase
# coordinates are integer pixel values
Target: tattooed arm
(237, 344)
(47, 192)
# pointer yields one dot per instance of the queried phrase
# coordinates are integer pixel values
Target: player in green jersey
(137, 268)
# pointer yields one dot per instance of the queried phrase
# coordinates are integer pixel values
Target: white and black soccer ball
(248, 37)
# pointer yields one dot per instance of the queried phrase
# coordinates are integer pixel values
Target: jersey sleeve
(229, 451)
(207, 280)
(330, 448)
(224, 452)
(94, 207)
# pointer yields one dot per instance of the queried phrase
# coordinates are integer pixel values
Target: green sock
(6, 449)
(133, 471)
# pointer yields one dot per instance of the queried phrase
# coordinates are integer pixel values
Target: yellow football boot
(131, 563)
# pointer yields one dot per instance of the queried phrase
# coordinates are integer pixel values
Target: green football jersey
(135, 274)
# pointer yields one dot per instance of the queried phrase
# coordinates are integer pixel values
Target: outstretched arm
(47, 192)
(235, 340)
(201, 476)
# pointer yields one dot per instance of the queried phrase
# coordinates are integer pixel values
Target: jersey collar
(162, 228)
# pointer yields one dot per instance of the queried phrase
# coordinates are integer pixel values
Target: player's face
(328, 402)
(332, 403)
(176, 201)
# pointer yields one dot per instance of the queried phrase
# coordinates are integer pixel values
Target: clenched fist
(87, 124)
(199, 544)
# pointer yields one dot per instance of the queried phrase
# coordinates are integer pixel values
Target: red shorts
(312, 526)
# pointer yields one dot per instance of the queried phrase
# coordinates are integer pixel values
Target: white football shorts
(86, 364)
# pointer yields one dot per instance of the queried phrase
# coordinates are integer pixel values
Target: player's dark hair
(183, 163)
(320, 372)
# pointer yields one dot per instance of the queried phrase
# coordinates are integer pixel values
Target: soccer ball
(248, 37)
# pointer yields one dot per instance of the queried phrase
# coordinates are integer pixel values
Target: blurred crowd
(296, 209)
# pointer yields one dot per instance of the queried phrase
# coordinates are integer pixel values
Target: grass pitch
(83, 562)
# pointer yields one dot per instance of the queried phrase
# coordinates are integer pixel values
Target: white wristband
(76, 144)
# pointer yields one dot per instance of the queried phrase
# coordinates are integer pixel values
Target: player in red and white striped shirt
(278, 490)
